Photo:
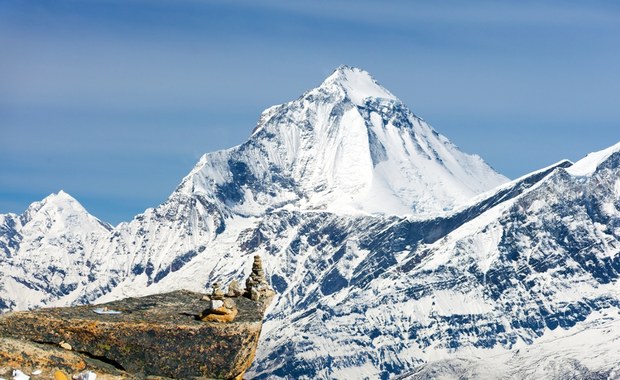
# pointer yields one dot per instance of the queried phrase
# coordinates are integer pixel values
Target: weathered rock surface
(29, 357)
(45, 360)
(157, 335)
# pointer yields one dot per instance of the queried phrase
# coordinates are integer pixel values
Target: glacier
(394, 253)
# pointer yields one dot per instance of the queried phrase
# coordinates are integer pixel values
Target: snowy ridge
(393, 253)
(588, 165)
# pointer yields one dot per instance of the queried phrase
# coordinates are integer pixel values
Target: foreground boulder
(154, 336)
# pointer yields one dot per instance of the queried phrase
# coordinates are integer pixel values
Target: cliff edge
(181, 334)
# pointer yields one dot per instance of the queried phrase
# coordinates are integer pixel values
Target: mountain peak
(60, 200)
(358, 84)
(60, 207)
(61, 195)
(348, 146)
(55, 200)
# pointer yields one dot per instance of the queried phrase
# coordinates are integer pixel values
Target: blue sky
(115, 100)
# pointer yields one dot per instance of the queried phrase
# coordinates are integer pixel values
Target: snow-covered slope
(559, 354)
(536, 268)
(392, 252)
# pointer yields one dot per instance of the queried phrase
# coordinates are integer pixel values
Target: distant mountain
(46, 251)
(393, 253)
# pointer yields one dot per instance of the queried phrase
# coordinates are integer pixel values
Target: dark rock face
(157, 335)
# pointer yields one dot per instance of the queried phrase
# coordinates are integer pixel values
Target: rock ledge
(154, 336)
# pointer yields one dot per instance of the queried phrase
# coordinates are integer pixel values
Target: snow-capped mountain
(46, 251)
(348, 146)
(393, 253)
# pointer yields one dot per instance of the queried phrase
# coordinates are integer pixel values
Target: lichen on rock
(159, 335)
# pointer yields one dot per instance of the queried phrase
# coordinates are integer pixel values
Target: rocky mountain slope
(393, 252)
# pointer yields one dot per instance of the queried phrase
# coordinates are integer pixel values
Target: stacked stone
(257, 277)
(234, 289)
(256, 286)
(217, 293)
(220, 309)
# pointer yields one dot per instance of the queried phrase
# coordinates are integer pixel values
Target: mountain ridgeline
(393, 253)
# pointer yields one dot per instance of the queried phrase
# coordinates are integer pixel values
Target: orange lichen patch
(59, 375)
(220, 315)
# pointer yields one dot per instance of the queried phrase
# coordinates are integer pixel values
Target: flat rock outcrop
(154, 336)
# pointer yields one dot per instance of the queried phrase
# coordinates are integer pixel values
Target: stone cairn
(222, 307)
(234, 289)
(256, 281)
(256, 286)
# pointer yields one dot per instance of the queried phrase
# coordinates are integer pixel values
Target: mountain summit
(347, 146)
(357, 84)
